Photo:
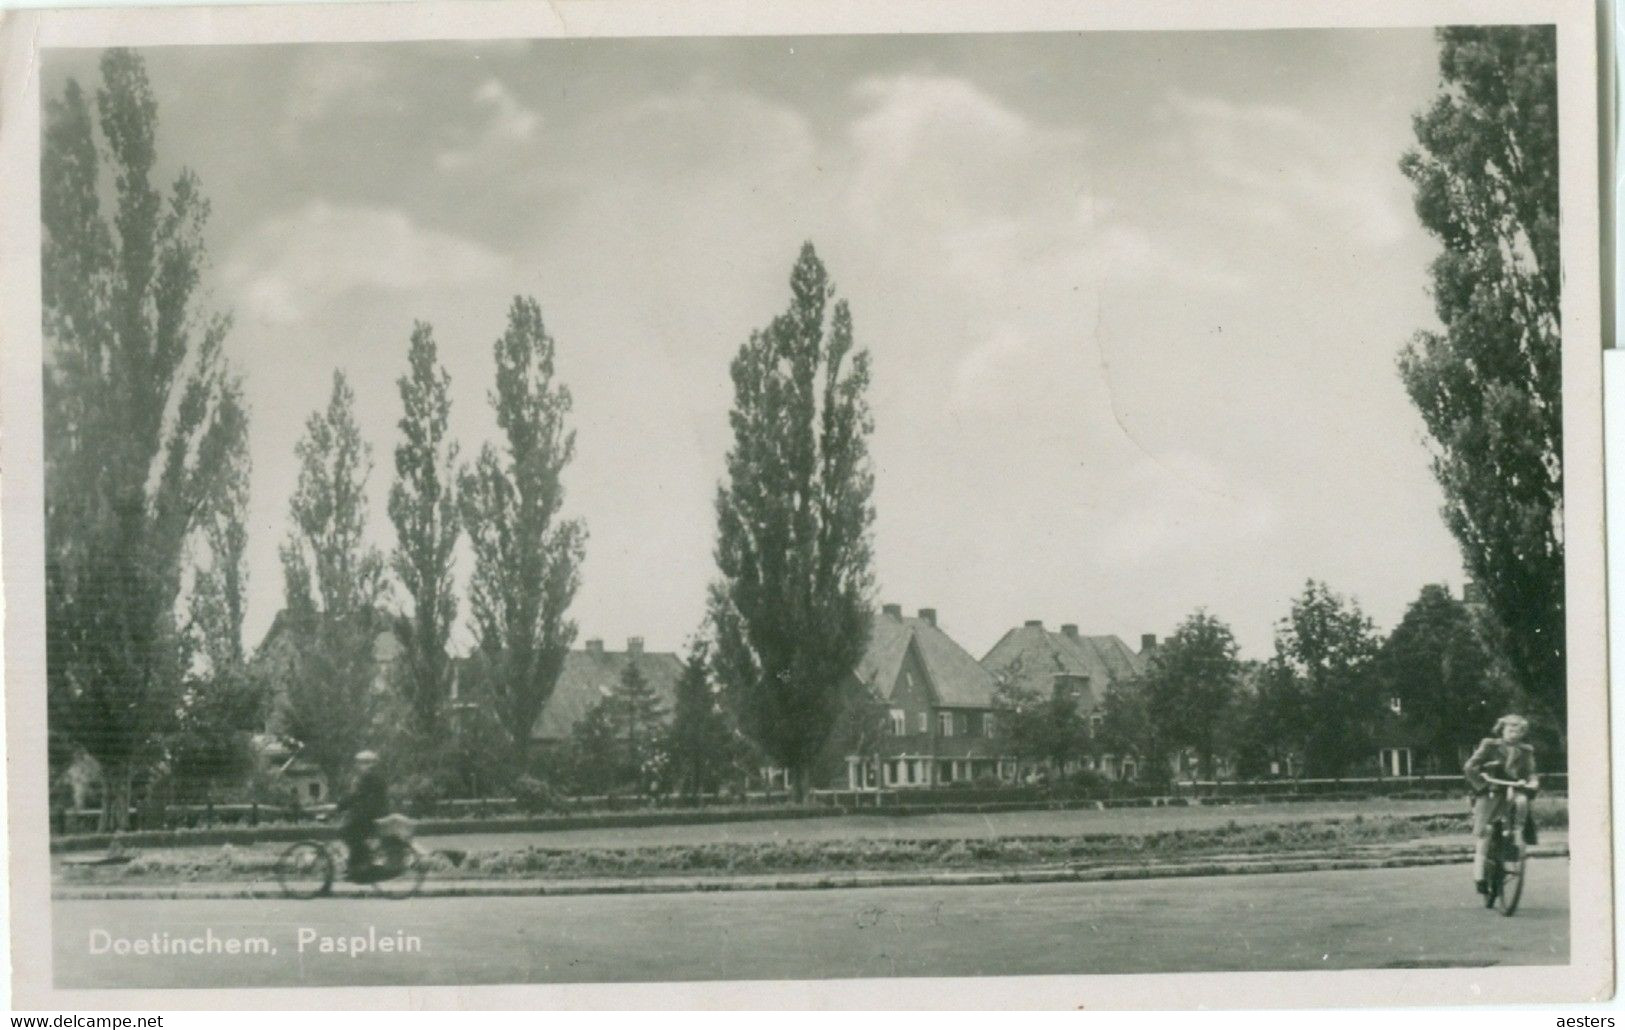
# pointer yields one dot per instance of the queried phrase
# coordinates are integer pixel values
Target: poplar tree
(332, 581)
(527, 555)
(141, 417)
(1490, 385)
(791, 607)
(423, 507)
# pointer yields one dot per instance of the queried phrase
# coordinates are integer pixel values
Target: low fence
(266, 823)
(249, 814)
(1370, 786)
(288, 832)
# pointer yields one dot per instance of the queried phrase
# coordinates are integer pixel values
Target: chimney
(1070, 629)
(929, 615)
(595, 647)
(894, 610)
(634, 646)
(1035, 623)
(1147, 642)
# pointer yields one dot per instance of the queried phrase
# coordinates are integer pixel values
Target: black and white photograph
(523, 504)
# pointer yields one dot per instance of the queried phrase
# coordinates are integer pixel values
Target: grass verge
(230, 863)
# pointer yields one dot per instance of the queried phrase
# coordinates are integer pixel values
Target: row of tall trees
(1323, 702)
(526, 562)
(147, 485)
(147, 473)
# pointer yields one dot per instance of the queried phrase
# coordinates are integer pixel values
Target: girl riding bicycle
(1502, 757)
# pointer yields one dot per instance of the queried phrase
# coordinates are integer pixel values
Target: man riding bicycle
(1502, 757)
(363, 806)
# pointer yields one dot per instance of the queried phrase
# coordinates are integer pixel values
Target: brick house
(939, 705)
(1044, 661)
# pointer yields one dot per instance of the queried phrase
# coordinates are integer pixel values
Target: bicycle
(306, 869)
(1506, 866)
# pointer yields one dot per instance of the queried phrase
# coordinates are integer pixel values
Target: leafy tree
(1436, 664)
(862, 729)
(213, 739)
(1489, 386)
(477, 763)
(140, 417)
(1269, 724)
(1036, 727)
(1322, 679)
(332, 581)
(791, 608)
(527, 557)
(1126, 728)
(423, 507)
(638, 716)
(700, 741)
(223, 703)
(596, 750)
(1191, 685)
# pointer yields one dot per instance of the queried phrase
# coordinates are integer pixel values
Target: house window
(1396, 706)
(1096, 721)
(899, 722)
(990, 725)
(945, 723)
(922, 723)
(974, 724)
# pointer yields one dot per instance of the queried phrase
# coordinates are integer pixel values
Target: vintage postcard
(804, 504)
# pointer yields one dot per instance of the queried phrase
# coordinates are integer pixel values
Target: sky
(1133, 300)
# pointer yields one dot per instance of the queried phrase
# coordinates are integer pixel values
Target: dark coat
(367, 801)
(1498, 759)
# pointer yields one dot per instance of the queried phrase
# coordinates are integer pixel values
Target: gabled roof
(955, 678)
(287, 620)
(588, 676)
(1035, 655)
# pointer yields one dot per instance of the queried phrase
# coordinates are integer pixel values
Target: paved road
(1364, 919)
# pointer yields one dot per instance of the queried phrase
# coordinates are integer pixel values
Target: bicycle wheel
(1514, 869)
(304, 870)
(1492, 868)
(402, 870)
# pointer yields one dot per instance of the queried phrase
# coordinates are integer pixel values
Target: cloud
(508, 123)
(321, 80)
(294, 263)
(1283, 168)
(1178, 503)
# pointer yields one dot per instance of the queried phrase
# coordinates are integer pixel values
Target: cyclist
(1503, 757)
(367, 802)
